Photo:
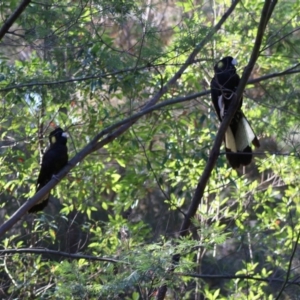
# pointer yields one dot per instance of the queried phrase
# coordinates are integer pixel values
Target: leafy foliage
(86, 65)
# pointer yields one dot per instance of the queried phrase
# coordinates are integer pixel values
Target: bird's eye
(220, 64)
(53, 140)
(234, 62)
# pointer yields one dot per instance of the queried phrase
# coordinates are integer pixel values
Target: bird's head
(225, 64)
(58, 136)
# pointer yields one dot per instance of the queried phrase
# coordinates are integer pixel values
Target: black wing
(53, 161)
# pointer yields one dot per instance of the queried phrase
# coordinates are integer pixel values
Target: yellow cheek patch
(53, 140)
(220, 65)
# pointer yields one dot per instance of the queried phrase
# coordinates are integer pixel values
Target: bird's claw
(55, 177)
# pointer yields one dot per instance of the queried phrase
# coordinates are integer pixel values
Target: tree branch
(265, 15)
(10, 21)
(58, 253)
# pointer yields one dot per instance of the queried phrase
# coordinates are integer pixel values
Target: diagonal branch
(265, 16)
(10, 21)
(95, 145)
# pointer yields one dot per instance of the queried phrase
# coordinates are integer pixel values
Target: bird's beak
(64, 134)
(234, 62)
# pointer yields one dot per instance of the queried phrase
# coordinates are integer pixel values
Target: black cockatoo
(239, 135)
(54, 159)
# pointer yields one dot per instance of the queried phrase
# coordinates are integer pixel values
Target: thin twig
(43, 251)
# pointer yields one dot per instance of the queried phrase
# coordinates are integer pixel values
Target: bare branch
(10, 21)
(59, 253)
(265, 15)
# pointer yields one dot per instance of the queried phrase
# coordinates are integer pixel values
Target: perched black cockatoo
(54, 159)
(239, 135)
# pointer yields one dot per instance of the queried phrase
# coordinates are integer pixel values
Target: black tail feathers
(236, 159)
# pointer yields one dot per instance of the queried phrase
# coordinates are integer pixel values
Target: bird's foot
(55, 177)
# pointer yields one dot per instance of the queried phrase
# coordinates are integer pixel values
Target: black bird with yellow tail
(239, 135)
(54, 159)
